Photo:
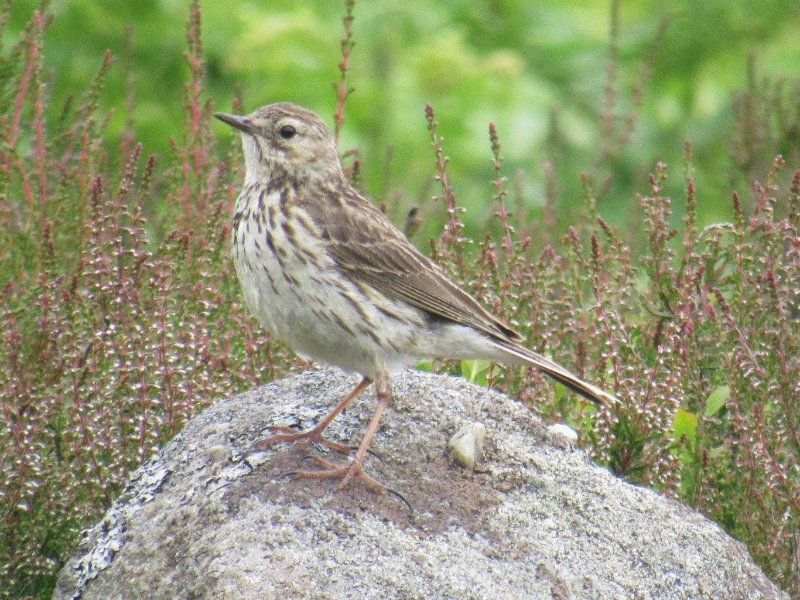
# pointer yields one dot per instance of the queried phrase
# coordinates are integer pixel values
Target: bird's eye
(287, 132)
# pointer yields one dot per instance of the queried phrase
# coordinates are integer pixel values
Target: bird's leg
(353, 469)
(315, 435)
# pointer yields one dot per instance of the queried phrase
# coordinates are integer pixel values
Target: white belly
(305, 302)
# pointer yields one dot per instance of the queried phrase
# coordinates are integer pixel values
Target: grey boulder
(208, 517)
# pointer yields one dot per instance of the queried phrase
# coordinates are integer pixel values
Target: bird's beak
(239, 122)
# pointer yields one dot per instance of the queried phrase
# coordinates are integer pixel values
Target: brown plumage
(328, 273)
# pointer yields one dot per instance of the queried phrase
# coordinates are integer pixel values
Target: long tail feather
(559, 373)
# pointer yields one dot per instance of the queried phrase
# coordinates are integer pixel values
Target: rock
(562, 435)
(466, 444)
(209, 518)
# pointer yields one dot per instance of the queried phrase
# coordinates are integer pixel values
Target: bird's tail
(557, 372)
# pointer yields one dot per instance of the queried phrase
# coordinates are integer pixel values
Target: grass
(120, 315)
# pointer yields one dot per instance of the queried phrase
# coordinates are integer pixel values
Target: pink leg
(315, 435)
(353, 469)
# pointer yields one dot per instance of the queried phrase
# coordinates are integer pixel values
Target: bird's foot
(346, 472)
(287, 434)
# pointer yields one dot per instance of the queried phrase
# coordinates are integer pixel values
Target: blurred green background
(539, 70)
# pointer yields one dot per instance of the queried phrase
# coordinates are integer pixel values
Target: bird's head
(285, 139)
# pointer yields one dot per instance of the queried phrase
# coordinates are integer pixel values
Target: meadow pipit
(324, 270)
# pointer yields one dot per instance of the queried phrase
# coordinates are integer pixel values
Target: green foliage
(120, 315)
(476, 371)
(716, 400)
(565, 100)
(684, 428)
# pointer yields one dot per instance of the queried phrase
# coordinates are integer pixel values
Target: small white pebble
(565, 432)
(466, 445)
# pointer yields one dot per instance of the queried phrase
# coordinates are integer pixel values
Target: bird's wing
(366, 245)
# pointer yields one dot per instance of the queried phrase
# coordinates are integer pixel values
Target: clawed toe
(331, 470)
(346, 472)
(287, 434)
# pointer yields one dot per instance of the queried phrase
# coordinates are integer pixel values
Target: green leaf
(685, 425)
(475, 370)
(716, 400)
(424, 365)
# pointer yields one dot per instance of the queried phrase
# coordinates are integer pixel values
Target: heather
(121, 318)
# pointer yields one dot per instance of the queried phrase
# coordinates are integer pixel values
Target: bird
(325, 271)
